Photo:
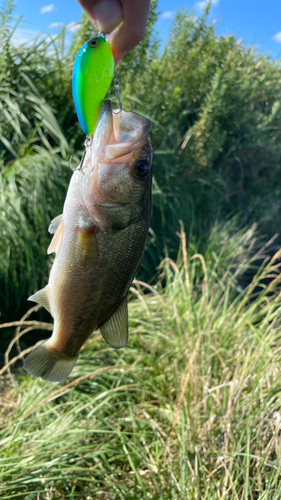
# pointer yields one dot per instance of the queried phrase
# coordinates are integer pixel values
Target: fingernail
(107, 15)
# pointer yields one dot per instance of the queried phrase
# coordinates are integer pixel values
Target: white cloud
(27, 37)
(73, 27)
(202, 5)
(277, 37)
(21, 36)
(47, 8)
(168, 14)
(55, 25)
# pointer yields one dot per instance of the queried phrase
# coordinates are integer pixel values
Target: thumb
(105, 15)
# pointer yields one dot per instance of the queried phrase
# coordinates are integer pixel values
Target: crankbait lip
(107, 141)
(137, 126)
(117, 136)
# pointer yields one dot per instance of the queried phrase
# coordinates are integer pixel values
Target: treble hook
(117, 87)
(87, 143)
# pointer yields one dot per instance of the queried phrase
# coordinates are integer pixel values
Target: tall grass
(190, 409)
(215, 108)
(34, 154)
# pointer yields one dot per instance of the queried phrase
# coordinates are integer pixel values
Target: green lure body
(92, 75)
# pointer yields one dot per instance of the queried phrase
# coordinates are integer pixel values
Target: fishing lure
(92, 75)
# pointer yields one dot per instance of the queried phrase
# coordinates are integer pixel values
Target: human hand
(106, 15)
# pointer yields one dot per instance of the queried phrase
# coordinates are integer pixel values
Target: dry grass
(190, 409)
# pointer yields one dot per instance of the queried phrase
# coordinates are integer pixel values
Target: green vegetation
(215, 107)
(191, 408)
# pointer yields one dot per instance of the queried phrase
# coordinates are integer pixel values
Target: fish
(93, 72)
(99, 242)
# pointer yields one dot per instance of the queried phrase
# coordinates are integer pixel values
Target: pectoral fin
(57, 238)
(86, 245)
(41, 297)
(55, 224)
(115, 329)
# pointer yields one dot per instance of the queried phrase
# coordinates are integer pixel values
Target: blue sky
(257, 22)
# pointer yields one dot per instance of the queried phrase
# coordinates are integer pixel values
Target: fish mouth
(117, 135)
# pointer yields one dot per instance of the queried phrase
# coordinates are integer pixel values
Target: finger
(104, 14)
(135, 15)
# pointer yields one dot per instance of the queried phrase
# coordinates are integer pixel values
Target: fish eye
(141, 169)
(93, 43)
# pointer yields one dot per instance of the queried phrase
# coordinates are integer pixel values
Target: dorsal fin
(41, 297)
(56, 241)
(115, 329)
(55, 224)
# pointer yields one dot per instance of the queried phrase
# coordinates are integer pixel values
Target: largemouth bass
(99, 242)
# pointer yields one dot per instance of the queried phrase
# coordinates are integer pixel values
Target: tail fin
(44, 363)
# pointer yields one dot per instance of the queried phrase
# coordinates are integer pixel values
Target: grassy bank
(190, 409)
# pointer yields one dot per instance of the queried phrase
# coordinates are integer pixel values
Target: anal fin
(115, 329)
(41, 297)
